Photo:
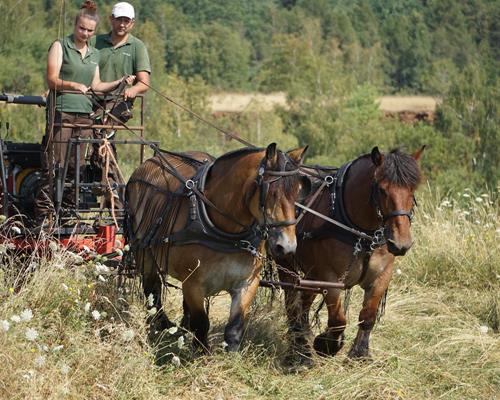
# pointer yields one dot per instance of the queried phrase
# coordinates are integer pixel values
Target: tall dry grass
(73, 334)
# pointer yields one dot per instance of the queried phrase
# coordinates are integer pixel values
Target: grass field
(66, 331)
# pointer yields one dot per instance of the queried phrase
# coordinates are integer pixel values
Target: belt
(74, 114)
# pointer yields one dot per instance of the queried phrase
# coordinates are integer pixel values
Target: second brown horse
(373, 196)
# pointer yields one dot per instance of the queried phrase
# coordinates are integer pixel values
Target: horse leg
(186, 316)
(368, 314)
(297, 305)
(152, 285)
(241, 300)
(194, 300)
(331, 341)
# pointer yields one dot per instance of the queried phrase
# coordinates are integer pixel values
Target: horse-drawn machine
(212, 223)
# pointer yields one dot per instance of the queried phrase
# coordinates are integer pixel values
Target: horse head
(397, 176)
(278, 186)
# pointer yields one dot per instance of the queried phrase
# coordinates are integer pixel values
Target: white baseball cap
(123, 9)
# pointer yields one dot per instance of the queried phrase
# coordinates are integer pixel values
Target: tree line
(332, 57)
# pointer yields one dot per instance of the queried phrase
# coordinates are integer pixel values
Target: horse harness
(340, 225)
(200, 229)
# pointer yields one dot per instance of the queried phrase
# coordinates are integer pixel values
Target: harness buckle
(190, 184)
(329, 180)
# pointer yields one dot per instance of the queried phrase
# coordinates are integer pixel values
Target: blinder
(264, 184)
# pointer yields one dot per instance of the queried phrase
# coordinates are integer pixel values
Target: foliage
(333, 58)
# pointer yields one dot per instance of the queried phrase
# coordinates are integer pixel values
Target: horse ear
(272, 154)
(297, 155)
(418, 154)
(377, 156)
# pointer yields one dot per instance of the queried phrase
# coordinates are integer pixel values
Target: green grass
(438, 339)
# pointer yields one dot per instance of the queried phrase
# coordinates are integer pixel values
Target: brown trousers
(59, 141)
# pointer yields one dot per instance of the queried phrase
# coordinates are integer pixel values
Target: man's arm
(140, 86)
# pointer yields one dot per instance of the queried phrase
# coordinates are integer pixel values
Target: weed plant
(67, 330)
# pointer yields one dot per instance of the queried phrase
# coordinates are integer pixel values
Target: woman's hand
(80, 87)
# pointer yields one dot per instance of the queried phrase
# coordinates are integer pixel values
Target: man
(121, 53)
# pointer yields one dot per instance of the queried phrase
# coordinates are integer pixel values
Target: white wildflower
(86, 249)
(65, 368)
(15, 318)
(102, 278)
(26, 315)
(466, 213)
(55, 349)
(128, 335)
(40, 361)
(86, 308)
(29, 375)
(467, 195)
(151, 300)
(65, 287)
(65, 390)
(4, 325)
(479, 200)
(16, 230)
(398, 271)
(101, 269)
(483, 329)
(78, 259)
(43, 347)
(152, 311)
(318, 387)
(485, 195)
(180, 342)
(176, 361)
(31, 334)
(96, 315)
(53, 246)
(224, 344)
(172, 330)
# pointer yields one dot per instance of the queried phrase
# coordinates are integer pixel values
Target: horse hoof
(296, 362)
(357, 353)
(327, 345)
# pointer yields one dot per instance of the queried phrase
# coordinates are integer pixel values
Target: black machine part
(21, 99)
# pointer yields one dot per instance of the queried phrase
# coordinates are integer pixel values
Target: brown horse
(373, 197)
(203, 221)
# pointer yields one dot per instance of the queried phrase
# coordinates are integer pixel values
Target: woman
(72, 65)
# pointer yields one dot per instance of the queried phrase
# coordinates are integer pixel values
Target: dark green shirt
(127, 59)
(78, 69)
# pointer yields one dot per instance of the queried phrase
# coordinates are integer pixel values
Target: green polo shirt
(127, 59)
(79, 69)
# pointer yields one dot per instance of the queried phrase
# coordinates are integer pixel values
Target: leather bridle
(263, 184)
(375, 200)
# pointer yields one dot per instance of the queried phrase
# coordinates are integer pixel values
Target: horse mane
(400, 169)
(238, 152)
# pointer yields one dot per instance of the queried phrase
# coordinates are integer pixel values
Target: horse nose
(398, 249)
(283, 245)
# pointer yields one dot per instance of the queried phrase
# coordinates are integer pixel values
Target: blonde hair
(88, 9)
